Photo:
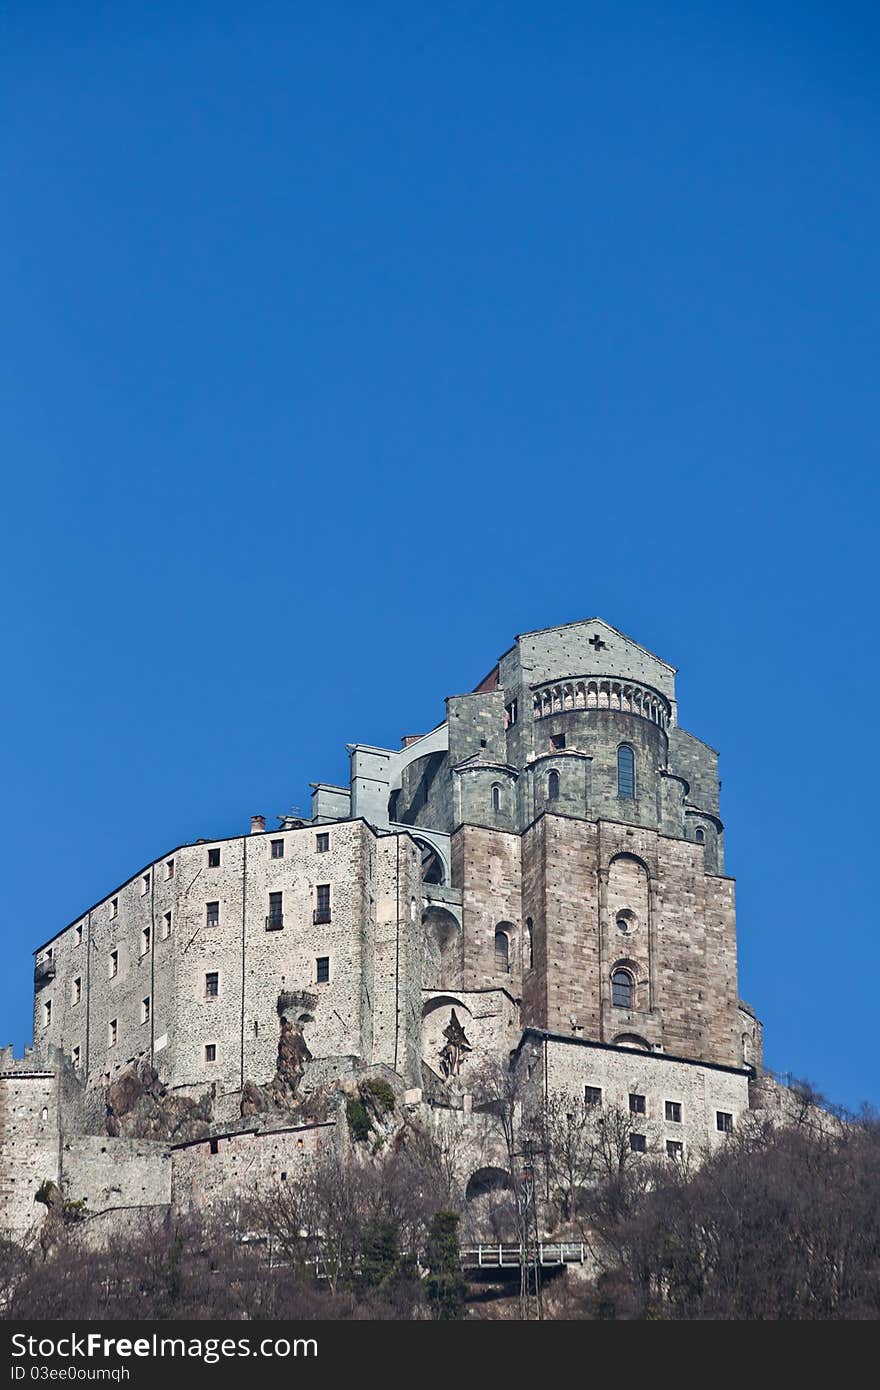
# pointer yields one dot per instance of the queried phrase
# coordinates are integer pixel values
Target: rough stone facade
(547, 862)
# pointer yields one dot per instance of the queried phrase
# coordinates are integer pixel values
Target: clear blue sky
(342, 342)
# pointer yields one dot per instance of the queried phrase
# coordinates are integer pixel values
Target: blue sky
(341, 343)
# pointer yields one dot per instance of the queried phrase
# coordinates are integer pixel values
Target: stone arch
(629, 896)
(632, 1040)
(435, 866)
(442, 948)
(484, 1181)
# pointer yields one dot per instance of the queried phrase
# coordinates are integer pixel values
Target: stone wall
(562, 1066)
(29, 1143)
(115, 1173)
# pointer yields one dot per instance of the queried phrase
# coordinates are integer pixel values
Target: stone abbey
(539, 879)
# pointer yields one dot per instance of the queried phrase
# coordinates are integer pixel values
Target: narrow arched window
(622, 989)
(626, 771)
(553, 787)
(530, 943)
(496, 797)
(502, 952)
(700, 837)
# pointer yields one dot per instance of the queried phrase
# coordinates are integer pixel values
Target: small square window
(78, 936)
(210, 1052)
(636, 1104)
(322, 973)
(113, 964)
(112, 1032)
(322, 842)
(674, 1148)
(145, 941)
(723, 1121)
(213, 859)
(114, 908)
(145, 1010)
(557, 740)
(76, 990)
(673, 1111)
(277, 848)
(212, 984)
(638, 1143)
(166, 926)
(212, 914)
(145, 884)
(169, 868)
(592, 1095)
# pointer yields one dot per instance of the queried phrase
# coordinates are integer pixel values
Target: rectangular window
(112, 1032)
(145, 1010)
(673, 1111)
(145, 941)
(723, 1121)
(166, 926)
(145, 884)
(322, 903)
(113, 964)
(636, 1104)
(210, 1052)
(322, 842)
(212, 984)
(511, 714)
(78, 936)
(277, 848)
(76, 991)
(557, 740)
(213, 859)
(47, 1013)
(592, 1095)
(322, 973)
(212, 914)
(114, 908)
(169, 868)
(74, 1056)
(674, 1148)
(214, 1145)
(275, 920)
(638, 1143)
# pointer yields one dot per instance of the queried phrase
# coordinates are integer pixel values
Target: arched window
(553, 787)
(622, 989)
(700, 837)
(502, 952)
(496, 797)
(626, 771)
(530, 943)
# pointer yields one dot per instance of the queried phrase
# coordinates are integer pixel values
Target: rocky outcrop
(282, 1091)
(139, 1106)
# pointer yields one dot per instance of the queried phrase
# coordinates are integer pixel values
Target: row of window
(672, 1109)
(626, 775)
(212, 988)
(212, 991)
(276, 851)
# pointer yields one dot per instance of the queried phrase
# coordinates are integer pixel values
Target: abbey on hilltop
(538, 878)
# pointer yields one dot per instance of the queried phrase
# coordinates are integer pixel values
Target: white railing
(508, 1256)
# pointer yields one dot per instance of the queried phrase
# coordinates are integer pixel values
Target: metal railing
(275, 921)
(512, 1256)
(321, 916)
